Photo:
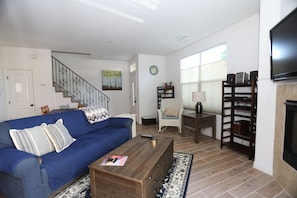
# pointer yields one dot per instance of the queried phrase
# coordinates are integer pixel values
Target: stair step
(62, 102)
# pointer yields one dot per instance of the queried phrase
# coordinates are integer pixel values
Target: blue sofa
(24, 175)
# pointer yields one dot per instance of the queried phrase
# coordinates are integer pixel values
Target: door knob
(32, 105)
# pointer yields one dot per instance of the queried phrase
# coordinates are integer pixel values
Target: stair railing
(76, 87)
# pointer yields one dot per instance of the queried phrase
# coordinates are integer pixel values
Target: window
(204, 71)
(132, 67)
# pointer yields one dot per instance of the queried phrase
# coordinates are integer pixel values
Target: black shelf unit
(239, 105)
(164, 92)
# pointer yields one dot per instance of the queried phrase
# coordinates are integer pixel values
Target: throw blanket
(95, 114)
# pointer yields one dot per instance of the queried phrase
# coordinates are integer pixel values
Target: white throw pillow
(32, 140)
(59, 135)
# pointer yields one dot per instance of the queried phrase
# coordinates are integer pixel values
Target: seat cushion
(77, 124)
(28, 122)
(169, 117)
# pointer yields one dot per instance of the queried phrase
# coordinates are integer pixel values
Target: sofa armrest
(12, 158)
(118, 122)
(20, 174)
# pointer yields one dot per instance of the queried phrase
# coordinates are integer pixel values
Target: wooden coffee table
(141, 176)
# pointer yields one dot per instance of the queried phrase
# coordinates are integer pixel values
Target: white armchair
(170, 114)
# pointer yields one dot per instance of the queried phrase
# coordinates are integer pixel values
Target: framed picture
(111, 80)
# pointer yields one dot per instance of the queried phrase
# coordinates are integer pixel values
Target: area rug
(174, 185)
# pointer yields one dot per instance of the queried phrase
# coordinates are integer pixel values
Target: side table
(197, 122)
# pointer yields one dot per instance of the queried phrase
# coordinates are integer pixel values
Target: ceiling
(117, 29)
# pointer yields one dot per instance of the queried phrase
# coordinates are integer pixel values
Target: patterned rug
(174, 186)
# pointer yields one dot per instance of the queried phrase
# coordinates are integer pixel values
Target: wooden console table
(197, 122)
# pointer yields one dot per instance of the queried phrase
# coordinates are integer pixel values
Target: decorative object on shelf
(254, 76)
(44, 109)
(241, 126)
(230, 79)
(241, 78)
(199, 96)
(164, 92)
(154, 70)
(168, 84)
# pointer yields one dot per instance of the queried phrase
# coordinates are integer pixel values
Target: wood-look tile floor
(216, 172)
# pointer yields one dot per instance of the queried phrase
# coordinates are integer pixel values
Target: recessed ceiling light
(180, 37)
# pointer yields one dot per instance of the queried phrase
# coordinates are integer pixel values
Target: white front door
(20, 95)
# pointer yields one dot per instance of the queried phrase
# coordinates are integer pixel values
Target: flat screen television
(283, 39)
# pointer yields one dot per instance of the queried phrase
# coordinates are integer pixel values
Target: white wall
(37, 60)
(90, 69)
(272, 11)
(242, 49)
(2, 91)
(147, 83)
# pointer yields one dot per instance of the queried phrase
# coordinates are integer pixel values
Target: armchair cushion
(171, 112)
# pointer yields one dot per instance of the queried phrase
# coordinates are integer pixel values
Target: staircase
(74, 86)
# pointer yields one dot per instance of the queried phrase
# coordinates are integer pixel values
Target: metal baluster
(75, 86)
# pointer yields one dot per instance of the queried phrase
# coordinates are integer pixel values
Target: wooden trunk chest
(143, 173)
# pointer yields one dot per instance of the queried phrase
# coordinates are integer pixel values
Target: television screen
(284, 48)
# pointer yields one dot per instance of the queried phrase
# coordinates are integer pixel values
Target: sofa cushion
(59, 135)
(29, 122)
(100, 125)
(32, 140)
(77, 123)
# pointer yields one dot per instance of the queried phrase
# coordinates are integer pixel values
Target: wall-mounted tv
(283, 38)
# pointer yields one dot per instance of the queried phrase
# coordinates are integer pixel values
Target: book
(114, 160)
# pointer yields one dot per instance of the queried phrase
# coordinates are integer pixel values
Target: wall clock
(153, 69)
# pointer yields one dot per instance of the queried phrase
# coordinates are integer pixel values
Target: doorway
(133, 90)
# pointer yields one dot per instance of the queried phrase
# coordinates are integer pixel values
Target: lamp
(198, 96)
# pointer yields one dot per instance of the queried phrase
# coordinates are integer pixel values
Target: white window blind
(204, 71)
